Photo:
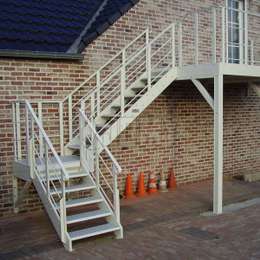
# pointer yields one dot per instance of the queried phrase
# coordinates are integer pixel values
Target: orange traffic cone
(129, 188)
(152, 187)
(172, 180)
(141, 188)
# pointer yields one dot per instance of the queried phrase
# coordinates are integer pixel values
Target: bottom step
(93, 231)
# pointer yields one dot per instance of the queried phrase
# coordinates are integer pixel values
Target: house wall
(175, 131)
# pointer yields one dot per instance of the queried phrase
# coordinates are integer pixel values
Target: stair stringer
(51, 213)
(123, 122)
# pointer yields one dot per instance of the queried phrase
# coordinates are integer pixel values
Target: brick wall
(174, 131)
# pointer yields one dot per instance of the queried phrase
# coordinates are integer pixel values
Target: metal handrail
(47, 140)
(93, 130)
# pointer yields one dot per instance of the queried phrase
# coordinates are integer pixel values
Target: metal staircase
(76, 176)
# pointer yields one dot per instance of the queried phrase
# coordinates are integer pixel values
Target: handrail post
(40, 134)
(214, 35)
(18, 131)
(14, 131)
(47, 173)
(246, 33)
(92, 106)
(223, 34)
(196, 40)
(27, 129)
(116, 196)
(61, 128)
(63, 222)
(148, 60)
(123, 83)
(96, 160)
(180, 44)
(70, 116)
(252, 52)
(173, 44)
(82, 135)
(98, 92)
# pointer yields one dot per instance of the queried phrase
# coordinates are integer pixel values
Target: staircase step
(74, 188)
(81, 202)
(72, 175)
(101, 213)
(93, 231)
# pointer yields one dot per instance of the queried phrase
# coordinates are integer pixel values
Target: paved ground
(167, 226)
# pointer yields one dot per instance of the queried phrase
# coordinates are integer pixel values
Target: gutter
(40, 55)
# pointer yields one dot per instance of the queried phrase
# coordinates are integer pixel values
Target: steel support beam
(218, 144)
(204, 92)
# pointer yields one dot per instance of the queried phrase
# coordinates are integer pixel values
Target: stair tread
(71, 175)
(94, 214)
(93, 231)
(82, 201)
(74, 188)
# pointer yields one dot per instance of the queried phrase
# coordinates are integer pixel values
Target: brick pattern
(175, 131)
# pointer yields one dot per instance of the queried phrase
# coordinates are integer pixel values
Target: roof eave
(40, 55)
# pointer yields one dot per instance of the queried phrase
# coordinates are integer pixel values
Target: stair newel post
(116, 196)
(40, 133)
(214, 35)
(30, 140)
(173, 44)
(98, 91)
(180, 44)
(47, 173)
(27, 129)
(61, 128)
(123, 83)
(18, 130)
(70, 116)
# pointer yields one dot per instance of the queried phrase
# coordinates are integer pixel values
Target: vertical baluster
(180, 45)
(148, 60)
(63, 214)
(40, 133)
(31, 148)
(196, 40)
(14, 131)
(245, 28)
(82, 136)
(223, 34)
(214, 36)
(61, 128)
(27, 130)
(18, 131)
(252, 52)
(47, 172)
(70, 116)
(123, 83)
(92, 106)
(96, 160)
(116, 197)
(98, 92)
(173, 45)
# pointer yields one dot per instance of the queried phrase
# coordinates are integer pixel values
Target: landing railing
(45, 164)
(103, 167)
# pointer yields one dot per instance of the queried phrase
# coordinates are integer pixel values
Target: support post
(18, 131)
(218, 144)
(246, 32)
(149, 65)
(214, 36)
(82, 136)
(47, 172)
(196, 40)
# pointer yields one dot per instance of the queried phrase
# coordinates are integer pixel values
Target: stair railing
(103, 167)
(93, 85)
(154, 60)
(46, 165)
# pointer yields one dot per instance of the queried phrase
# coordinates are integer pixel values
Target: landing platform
(230, 72)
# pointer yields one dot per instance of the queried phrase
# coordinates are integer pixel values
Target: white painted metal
(218, 144)
(204, 92)
(196, 29)
(214, 35)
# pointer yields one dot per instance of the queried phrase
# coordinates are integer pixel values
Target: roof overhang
(40, 55)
